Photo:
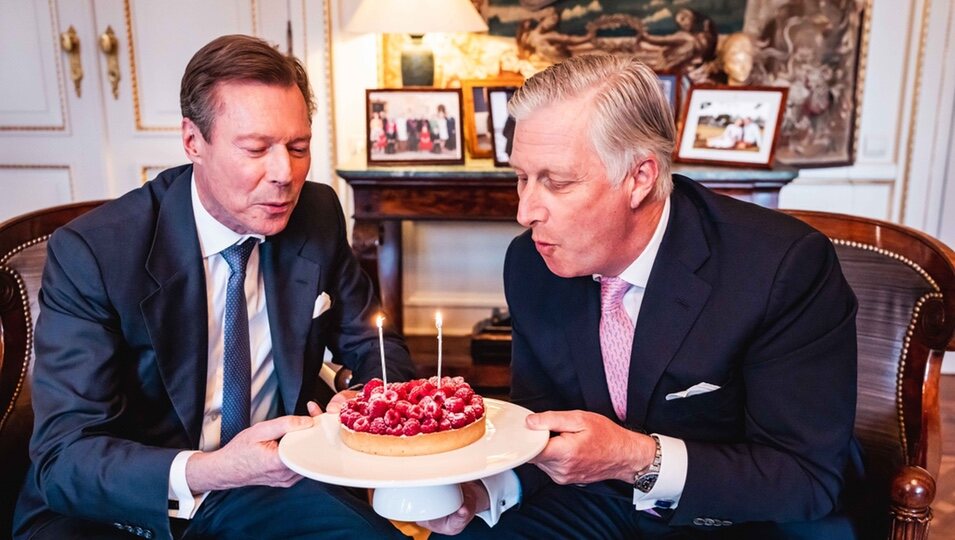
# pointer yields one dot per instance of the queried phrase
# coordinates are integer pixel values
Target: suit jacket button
(709, 522)
(118, 525)
(698, 521)
(727, 522)
(148, 534)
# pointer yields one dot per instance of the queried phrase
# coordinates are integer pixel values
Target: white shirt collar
(213, 235)
(638, 273)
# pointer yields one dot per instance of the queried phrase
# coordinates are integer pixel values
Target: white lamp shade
(416, 17)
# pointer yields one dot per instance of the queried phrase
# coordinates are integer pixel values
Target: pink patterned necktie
(616, 340)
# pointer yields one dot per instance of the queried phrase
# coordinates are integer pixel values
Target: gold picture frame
(477, 130)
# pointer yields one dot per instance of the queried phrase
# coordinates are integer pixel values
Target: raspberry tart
(413, 418)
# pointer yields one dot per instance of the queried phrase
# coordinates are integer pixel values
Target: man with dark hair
(183, 326)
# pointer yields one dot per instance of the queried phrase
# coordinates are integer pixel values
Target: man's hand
(589, 448)
(250, 459)
(475, 500)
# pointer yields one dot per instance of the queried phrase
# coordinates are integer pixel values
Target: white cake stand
(414, 488)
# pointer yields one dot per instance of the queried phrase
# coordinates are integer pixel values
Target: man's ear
(643, 176)
(192, 141)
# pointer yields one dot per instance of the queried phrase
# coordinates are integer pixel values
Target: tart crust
(421, 444)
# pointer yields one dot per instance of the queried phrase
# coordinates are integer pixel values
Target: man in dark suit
(694, 355)
(183, 327)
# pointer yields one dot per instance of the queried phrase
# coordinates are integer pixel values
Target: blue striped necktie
(237, 356)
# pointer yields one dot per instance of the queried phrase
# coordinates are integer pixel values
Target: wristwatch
(646, 478)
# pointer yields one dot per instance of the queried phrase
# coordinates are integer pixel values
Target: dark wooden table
(478, 191)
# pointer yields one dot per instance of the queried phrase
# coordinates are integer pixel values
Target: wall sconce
(416, 17)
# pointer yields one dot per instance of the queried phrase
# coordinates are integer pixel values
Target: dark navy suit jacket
(740, 297)
(121, 345)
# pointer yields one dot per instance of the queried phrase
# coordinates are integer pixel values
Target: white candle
(437, 323)
(381, 347)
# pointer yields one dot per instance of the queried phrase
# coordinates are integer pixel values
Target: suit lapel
(175, 313)
(674, 297)
(582, 331)
(291, 276)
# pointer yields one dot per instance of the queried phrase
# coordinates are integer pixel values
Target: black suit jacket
(739, 296)
(121, 346)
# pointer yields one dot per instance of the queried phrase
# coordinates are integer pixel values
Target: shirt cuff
(503, 492)
(667, 491)
(179, 488)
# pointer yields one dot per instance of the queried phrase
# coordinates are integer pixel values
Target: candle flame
(379, 321)
(437, 319)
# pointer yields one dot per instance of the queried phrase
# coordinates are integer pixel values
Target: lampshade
(416, 17)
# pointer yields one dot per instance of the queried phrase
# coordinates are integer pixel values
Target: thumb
(271, 430)
(558, 421)
(314, 409)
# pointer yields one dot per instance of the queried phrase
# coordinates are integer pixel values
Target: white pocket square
(322, 304)
(694, 390)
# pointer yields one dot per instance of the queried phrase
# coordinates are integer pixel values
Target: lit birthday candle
(437, 324)
(381, 347)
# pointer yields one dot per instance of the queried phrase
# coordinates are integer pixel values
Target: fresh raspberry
(348, 417)
(469, 414)
(454, 404)
(478, 410)
(371, 387)
(392, 418)
(394, 430)
(458, 420)
(430, 408)
(377, 426)
(377, 408)
(464, 392)
(444, 425)
(429, 425)
(458, 381)
(390, 396)
(422, 390)
(412, 427)
(439, 396)
(402, 407)
(402, 390)
(361, 424)
(415, 411)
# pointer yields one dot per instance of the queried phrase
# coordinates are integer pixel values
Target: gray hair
(631, 116)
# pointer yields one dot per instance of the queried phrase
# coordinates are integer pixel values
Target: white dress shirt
(213, 238)
(504, 489)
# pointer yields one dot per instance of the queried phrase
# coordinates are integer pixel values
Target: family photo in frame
(731, 125)
(413, 126)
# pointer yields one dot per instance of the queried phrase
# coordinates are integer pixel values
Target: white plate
(319, 454)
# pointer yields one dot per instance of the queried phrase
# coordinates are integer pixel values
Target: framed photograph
(477, 125)
(413, 126)
(502, 125)
(670, 85)
(731, 125)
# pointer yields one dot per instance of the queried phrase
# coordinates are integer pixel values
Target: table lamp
(416, 17)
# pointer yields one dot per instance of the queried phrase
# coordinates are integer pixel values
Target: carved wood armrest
(913, 490)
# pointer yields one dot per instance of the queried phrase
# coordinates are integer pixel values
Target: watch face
(646, 482)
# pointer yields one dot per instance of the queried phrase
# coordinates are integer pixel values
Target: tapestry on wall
(810, 46)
